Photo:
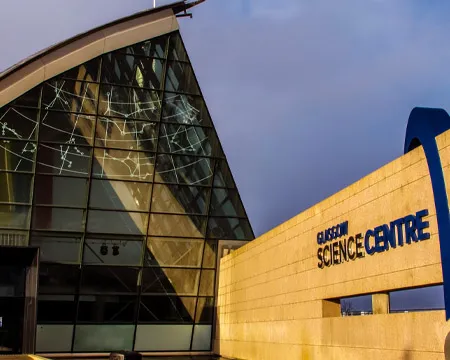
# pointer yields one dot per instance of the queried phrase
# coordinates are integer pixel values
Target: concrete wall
(272, 297)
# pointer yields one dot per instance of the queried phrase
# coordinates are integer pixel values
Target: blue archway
(424, 124)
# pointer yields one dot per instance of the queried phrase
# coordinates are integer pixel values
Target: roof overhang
(50, 62)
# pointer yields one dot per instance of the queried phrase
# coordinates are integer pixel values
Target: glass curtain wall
(115, 171)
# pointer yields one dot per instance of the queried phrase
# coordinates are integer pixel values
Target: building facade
(111, 168)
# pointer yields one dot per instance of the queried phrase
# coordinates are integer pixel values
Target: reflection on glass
(88, 71)
(113, 222)
(67, 128)
(151, 48)
(226, 202)
(106, 279)
(229, 228)
(176, 48)
(209, 257)
(63, 160)
(222, 176)
(48, 218)
(170, 281)
(106, 308)
(18, 123)
(123, 165)
(14, 216)
(120, 195)
(17, 155)
(16, 188)
(70, 96)
(187, 170)
(130, 103)
(59, 190)
(132, 71)
(112, 252)
(185, 109)
(179, 199)
(177, 225)
(204, 313)
(57, 249)
(30, 98)
(58, 279)
(167, 309)
(207, 283)
(174, 252)
(126, 134)
(180, 78)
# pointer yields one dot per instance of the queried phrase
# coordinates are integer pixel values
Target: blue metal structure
(424, 124)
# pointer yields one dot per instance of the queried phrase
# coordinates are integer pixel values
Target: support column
(380, 303)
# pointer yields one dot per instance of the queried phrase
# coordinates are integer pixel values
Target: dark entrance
(18, 292)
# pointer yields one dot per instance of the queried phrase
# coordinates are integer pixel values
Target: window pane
(87, 71)
(12, 283)
(75, 129)
(30, 98)
(202, 338)
(356, 305)
(204, 313)
(102, 279)
(151, 48)
(226, 202)
(177, 225)
(129, 103)
(15, 188)
(174, 252)
(118, 195)
(179, 199)
(222, 176)
(47, 218)
(170, 281)
(63, 191)
(58, 279)
(56, 308)
(17, 155)
(229, 228)
(163, 338)
(126, 134)
(185, 109)
(107, 308)
(420, 299)
(180, 78)
(71, 96)
(176, 48)
(63, 160)
(54, 338)
(57, 248)
(184, 169)
(113, 222)
(103, 338)
(112, 252)
(166, 309)
(18, 123)
(14, 216)
(188, 140)
(209, 257)
(207, 283)
(128, 70)
(123, 165)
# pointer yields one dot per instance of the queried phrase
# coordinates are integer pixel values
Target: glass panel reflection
(70, 96)
(107, 308)
(176, 48)
(226, 202)
(229, 228)
(170, 281)
(67, 128)
(132, 71)
(151, 48)
(49, 218)
(185, 109)
(88, 71)
(177, 225)
(166, 309)
(126, 134)
(112, 252)
(123, 165)
(17, 155)
(180, 78)
(106, 279)
(58, 249)
(120, 195)
(58, 279)
(184, 170)
(59, 190)
(129, 103)
(209, 257)
(18, 123)
(16, 188)
(204, 313)
(14, 216)
(222, 176)
(174, 252)
(113, 222)
(179, 199)
(207, 283)
(63, 160)
(30, 98)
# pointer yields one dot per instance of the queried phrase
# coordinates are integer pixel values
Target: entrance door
(12, 294)
(18, 291)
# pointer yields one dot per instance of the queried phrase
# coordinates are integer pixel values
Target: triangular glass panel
(180, 78)
(229, 229)
(176, 48)
(88, 71)
(185, 109)
(222, 176)
(226, 202)
(155, 48)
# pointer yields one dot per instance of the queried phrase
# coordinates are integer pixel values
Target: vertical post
(380, 303)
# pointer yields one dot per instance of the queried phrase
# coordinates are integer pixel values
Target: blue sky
(307, 96)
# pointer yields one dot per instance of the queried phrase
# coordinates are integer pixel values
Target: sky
(307, 96)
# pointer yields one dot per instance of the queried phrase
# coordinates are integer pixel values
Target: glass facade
(115, 171)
